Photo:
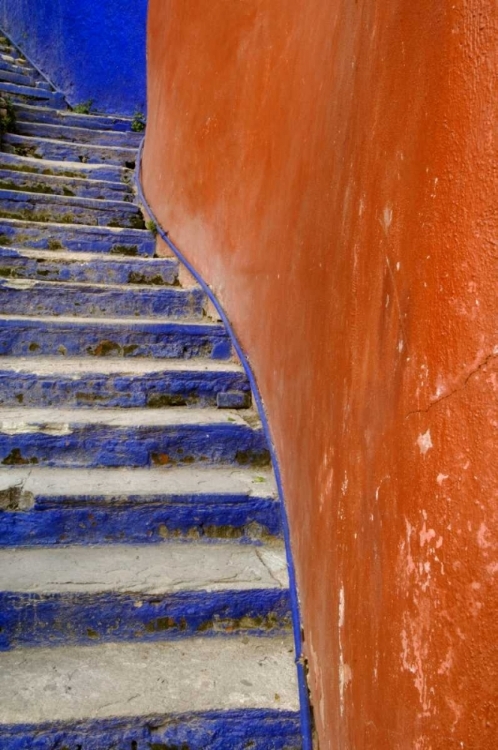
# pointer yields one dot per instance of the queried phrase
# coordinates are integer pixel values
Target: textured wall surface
(328, 168)
(88, 49)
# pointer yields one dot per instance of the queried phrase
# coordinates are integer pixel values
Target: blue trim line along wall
(88, 49)
(304, 701)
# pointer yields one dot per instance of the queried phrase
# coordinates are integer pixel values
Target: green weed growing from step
(151, 226)
(138, 123)
(84, 108)
(7, 115)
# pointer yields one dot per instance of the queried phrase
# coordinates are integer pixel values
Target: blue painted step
(80, 595)
(198, 694)
(76, 238)
(48, 382)
(68, 209)
(21, 78)
(218, 730)
(44, 148)
(37, 96)
(31, 165)
(11, 179)
(94, 268)
(79, 135)
(22, 336)
(16, 66)
(99, 300)
(46, 115)
(44, 506)
(129, 437)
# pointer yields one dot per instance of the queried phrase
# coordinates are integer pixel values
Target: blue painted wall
(89, 49)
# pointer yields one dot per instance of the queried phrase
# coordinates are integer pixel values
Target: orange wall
(327, 166)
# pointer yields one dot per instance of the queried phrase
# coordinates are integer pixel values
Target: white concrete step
(50, 506)
(117, 485)
(144, 569)
(166, 679)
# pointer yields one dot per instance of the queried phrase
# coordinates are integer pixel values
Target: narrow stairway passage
(144, 596)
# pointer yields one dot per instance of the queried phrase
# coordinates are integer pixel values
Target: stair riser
(74, 238)
(73, 119)
(84, 619)
(30, 94)
(15, 76)
(91, 302)
(61, 151)
(79, 135)
(160, 273)
(61, 209)
(51, 185)
(113, 391)
(100, 445)
(100, 340)
(14, 67)
(32, 166)
(220, 730)
(246, 519)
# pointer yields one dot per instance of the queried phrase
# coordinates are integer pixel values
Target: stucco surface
(89, 50)
(329, 169)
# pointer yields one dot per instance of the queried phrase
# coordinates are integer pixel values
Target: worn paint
(109, 68)
(216, 730)
(47, 298)
(137, 444)
(122, 390)
(328, 169)
(34, 619)
(23, 336)
(77, 238)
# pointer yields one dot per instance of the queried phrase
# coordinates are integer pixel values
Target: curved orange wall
(327, 166)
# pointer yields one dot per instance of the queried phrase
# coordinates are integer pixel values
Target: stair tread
(62, 180)
(109, 680)
(102, 204)
(146, 568)
(15, 138)
(26, 284)
(140, 233)
(53, 111)
(31, 162)
(19, 420)
(108, 366)
(67, 255)
(135, 482)
(125, 322)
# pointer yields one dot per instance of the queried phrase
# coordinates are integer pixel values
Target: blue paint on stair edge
(260, 729)
(84, 618)
(304, 702)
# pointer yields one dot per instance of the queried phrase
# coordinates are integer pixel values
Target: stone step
(118, 383)
(87, 438)
(82, 595)
(77, 238)
(11, 179)
(31, 165)
(93, 268)
(41, 207)
(21, 77)
(197, 693)
(8, 63)
(47, 506)
(62, 132)
(22, 336)
(99, 300)
(29, 113)
(45, 148)
(32, 94)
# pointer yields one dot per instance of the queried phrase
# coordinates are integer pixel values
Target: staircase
(144, 600)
